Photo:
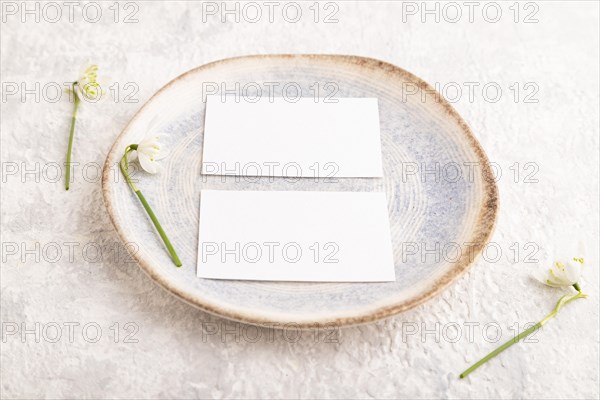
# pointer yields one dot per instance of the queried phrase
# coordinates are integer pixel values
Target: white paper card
(295, 236)
(277, 137)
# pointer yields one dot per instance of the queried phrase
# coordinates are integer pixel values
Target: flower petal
(146, 163)
(150, 146)
(573, 271)
(161, 155)
(133, 155)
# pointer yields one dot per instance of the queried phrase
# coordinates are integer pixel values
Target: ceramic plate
(449, 208)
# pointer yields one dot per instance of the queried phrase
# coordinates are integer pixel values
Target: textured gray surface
(172, 358)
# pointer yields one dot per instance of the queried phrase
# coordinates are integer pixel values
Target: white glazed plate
(456, 206)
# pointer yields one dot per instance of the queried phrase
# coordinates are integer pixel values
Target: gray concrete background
(65, 272)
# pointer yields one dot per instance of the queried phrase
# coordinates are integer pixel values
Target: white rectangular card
(277, 137)
(295, 236)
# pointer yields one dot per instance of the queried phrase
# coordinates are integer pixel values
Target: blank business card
(280, 138)
(295, 236)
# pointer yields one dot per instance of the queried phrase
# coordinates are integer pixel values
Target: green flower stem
(72, 134)
(124, 164)
(561, 302)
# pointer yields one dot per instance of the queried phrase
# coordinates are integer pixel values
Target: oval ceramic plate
(418, 131)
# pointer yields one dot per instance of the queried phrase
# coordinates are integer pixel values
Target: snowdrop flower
(86, 87)
(563, 272)
(147, 152)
